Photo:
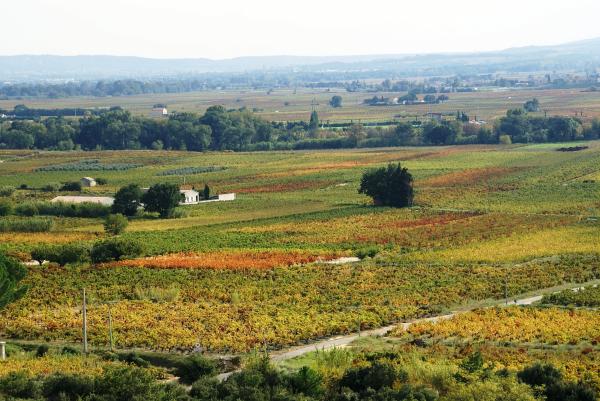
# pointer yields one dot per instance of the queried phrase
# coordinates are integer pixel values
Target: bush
(504, 140)
(19, 385)
(6, 190)
(73, 186)
(41, 351)
(376, 377)
(31, 225)
(115, 249)
(101, 181)
(133, 358)
(194, 367)
(51, 187)
(27, 209)
(6, 207)
(67, 387)
(61, 254)
(368, 252)
(70, 351)
(86, 210)
(115, 224)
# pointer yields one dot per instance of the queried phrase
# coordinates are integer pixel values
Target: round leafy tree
(388, 186)
(127, 200)
(162, 198)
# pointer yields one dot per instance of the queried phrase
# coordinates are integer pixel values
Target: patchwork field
(296, 105)
(489, 221)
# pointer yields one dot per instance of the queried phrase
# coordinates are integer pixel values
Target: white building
(102, 200)
(159, 112)
(88, 182)
(191, 197)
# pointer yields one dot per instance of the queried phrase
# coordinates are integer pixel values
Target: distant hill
(576, 55)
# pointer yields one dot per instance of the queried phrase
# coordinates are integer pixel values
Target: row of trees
(221, 129)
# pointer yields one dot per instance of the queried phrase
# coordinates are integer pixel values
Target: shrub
(41, 350)
(367, 252)
(19, 385)
(70, 351)
(11, 273)
(133, 358)
(63, 209)
(31, 225)
(194, 367)
(27, 209)
(6, 207)
(61, 254)
(6, 190)
(67, 387)
(115, 224)
(101, 181)
(504, 140)
(73, 186)
(376, 376)
(115, 249)
(51, 187)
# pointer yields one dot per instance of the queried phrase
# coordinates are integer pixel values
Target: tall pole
(110, 329)
(85, 339)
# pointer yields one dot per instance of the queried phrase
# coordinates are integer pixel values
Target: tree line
(241, 130)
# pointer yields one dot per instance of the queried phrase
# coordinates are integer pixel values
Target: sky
(231, 28)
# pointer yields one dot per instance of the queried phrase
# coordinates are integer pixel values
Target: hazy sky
(229, 28)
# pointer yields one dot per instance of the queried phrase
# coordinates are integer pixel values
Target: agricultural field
(230, 277)
(296, 105)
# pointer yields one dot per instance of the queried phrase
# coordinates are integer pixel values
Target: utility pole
(85, 339)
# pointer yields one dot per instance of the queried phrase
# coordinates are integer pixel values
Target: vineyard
(231, 277)
(521, 325)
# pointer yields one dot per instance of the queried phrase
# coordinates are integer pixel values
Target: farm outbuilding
(102, 200)
(191, 197)
(88, 182)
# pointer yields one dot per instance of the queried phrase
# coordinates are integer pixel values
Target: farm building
(88, 182)
(159, 111)
(191, 197)
(102, 200)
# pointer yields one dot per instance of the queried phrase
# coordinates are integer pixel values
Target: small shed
(88, 182)
(190, 197)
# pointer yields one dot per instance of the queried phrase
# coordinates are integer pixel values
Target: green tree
(11, 273)
(206, 191)
(388, 186)
(127, 200)
(115, 249)
(313, 125)
(532, 106)
(115, 224)
(336, 101)
(162, 198)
